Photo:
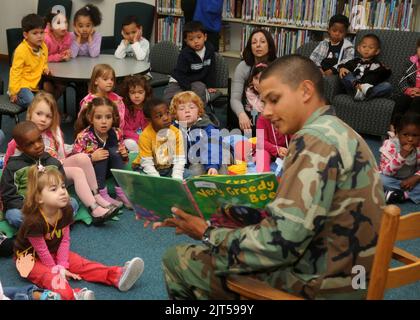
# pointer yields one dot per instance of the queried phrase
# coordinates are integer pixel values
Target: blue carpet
(119, 241)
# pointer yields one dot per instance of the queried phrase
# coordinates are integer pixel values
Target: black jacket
(14, 180)
(373, 72)
(191, 68)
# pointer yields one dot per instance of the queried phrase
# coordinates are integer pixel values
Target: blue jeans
(25, 97)
(380, 90)
(21, 293)
(15, 216)
(391, 183)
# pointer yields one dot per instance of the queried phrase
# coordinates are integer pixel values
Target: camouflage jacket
(324, 220)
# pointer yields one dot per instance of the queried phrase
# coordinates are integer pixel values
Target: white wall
(12, 12)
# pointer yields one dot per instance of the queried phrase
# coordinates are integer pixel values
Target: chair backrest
(222, 72)
(14, 38)
(45, 5)
(306, 49)
(144, 12)
(396, 48)
(394, 228)
(163, 57)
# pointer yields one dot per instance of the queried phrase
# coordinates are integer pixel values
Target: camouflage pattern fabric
(324, 220)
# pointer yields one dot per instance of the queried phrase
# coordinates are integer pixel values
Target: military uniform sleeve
(297, 214)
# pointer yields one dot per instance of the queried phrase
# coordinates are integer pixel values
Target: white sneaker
(365, 87)
(132, 271)
(84, 294)
(359, 96)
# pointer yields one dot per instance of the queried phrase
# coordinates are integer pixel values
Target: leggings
(103, 168)
(80, 172)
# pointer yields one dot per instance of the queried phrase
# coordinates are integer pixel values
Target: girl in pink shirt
(57, 38)
(135, 91)
(101, 84)
(42, 246)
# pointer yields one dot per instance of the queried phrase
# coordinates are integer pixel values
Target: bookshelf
(291, 22)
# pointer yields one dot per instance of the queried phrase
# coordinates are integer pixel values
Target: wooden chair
(393, 228)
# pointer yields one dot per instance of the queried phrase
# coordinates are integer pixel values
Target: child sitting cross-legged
(45, 237)
(204, 143)
(400, 161)
(160, 144)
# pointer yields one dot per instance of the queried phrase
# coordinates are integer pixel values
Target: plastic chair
(163, 59)
(8, 108)
(393, 228)
(45, 5)
(145, 14)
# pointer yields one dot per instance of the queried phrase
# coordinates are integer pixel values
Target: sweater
(191, 68)
(239, 80)
(140, 50)
(321, 51)
(27, 67)
(135, 123)
(56, 47)
(272, 138)
(370, 71)
(85, 49)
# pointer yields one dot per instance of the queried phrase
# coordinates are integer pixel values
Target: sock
(406, 196)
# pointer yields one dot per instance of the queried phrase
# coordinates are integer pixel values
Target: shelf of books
(169, 21)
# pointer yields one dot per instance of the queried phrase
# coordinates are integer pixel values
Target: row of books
(170, 29)
(286, 40)
(169, 7)
(302, 13)
(382, 14)
(363, 14)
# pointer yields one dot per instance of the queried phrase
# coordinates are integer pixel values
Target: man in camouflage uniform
(324, 220)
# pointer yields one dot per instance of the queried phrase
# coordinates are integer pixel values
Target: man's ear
(308, 90)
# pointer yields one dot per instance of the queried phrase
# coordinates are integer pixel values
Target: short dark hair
(20, 129)
(192, 26)
(339, 18)
(33, 21)
(91, 11)
(411, 117)
(293, 69)
(151, 104)
(129, 20)
(247, 54)
(372, 36)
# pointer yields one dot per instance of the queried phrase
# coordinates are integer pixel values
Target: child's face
(42, 116)
(196, 40)
(32, 144)
(337, 32)
(409, 135)
(59, 25)
(130, 32)
(105, 83)
(84, 26)
(256, 82)
(34, 37)
(187, 112)
(368, 48)
(160, 117)
(137, 95)
(54, 196)
(102, 119)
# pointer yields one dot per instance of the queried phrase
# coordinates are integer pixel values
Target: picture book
(153, 197)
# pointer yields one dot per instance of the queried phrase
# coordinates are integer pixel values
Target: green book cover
(153, 197)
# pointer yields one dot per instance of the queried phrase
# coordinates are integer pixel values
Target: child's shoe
(359, 96)
(366, 88)
(109, 213)
(104, 194)
(122, 197)
(50, 295)
(132, 271)
(84, 294)
(394, 196)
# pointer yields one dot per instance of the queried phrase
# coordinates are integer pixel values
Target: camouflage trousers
(189, 274)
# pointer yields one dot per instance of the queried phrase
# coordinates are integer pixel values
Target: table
(79, 71)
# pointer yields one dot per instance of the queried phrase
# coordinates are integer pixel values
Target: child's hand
(135, 166)
(343, 72)
(99, 155)
(328, 72)
(73, 276)
(78, 35)
(212, 172)
(211, 90)
(282, 152)
(138, 36)
(13, 99)
(409, 183)
(47, 72)
(322, 71)
(123, 151)
(66, 55)
(125, 38)
(406, 150)
(90, 38)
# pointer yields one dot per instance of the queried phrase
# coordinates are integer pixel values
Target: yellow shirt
(27, 67)
(162, 147)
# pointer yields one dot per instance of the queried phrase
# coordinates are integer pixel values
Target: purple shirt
(88, 50)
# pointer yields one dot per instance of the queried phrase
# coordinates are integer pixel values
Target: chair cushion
(159, 79)
(216, 95)
(369, 117)
(9, 108)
